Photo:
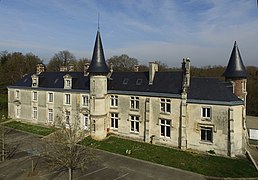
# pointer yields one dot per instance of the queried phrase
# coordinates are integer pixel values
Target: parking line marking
(121, 176)
(92, 172)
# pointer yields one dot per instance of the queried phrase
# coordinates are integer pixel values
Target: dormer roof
(98, 63)
(235, 68)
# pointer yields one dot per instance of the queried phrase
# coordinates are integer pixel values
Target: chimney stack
(85, 68)
(186, 74)
(136, 68)
(153, 68)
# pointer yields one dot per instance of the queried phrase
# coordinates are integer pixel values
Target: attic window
(56, 81)
(139, 82)
(125, 81)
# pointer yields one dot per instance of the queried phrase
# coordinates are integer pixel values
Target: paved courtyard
(107, 165)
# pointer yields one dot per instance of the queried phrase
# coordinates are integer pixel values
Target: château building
(164, 108)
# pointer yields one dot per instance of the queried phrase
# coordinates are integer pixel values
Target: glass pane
(137, 126)
(162, 130)
(168, 131)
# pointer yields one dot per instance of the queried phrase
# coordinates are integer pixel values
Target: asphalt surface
(107, 165)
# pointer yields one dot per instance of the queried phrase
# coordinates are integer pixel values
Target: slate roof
(235, 68)
(201, 89)
(98, 63)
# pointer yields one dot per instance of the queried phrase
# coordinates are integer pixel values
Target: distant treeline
(14, 65)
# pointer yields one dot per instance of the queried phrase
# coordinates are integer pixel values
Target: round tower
(236, 73)
(98, 71)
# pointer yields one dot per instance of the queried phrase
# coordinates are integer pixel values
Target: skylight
(125, 81)
(139, 82)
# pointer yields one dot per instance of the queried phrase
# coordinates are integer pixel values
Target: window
(206, 112)
(85, 100)
(67, 99)
(85, 118)
(17, 94)
(114, 120)
(67, 118)
(125, 81)
(34, 112)
(35, 96)
(68, 83)
(134, 123)
(50, 115)
(165, 128)
(18, 111)
(50, 97)
(165, 105)
(206, 134)
(134, 102)
(113, 101)
(139, 82)
(34, 82)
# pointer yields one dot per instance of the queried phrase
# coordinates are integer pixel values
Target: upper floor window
(165, 105)
(206, 134)
(85, 100)
(165, 128)
(113, 101)
(34, 96)
(17, 94)
(134, 102)
(50, 97)
(67, 99)
(206, 112)
(67, 118)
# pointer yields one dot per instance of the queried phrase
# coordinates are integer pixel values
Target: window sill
(114, 129)
(206, 119)
(132, 132)
(206, 142)
(137, 110)
(113, 107)
(165, 113)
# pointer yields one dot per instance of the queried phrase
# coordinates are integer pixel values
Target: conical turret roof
(98, 63)
(235, 68)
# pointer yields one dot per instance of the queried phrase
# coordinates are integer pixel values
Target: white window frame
(17, 94)
(165, 105)
(67, 99)
(50, 115)
(85, 100)
(134, 123)
(85, 120)
(113, 101)
(134, 102)
(68, 83)
(165, 125)
(50, 97)
(67, 118)
(114, 120)
(34, 112)
(18, 110)
(206, 112)
(205, 129)
(34, 95)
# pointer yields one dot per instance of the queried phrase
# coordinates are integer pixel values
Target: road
(107, 165)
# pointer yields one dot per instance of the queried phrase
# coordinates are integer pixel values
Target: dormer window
(67, 81)
(35, 80)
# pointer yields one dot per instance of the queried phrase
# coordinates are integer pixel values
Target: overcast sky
(163, 30)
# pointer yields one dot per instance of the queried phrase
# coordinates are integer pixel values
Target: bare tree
(61, 149)
(122, 63)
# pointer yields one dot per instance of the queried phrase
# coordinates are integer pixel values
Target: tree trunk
(70, 173)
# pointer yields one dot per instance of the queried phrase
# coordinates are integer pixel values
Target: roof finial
(98, 21)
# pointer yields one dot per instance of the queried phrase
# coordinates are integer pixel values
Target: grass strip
(200, 163)
(35, 129)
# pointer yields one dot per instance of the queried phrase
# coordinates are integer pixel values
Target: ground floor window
(18, 111)
(114, 120)
(206, 134)
(67, 118)
(34, 112)
(165, 128)
(50, 115)
(85, 118)
(134, 123)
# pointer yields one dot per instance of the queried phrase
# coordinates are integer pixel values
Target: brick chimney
(153, 68)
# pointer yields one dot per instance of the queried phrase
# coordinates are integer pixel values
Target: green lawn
(35, 129)
(200, 163)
